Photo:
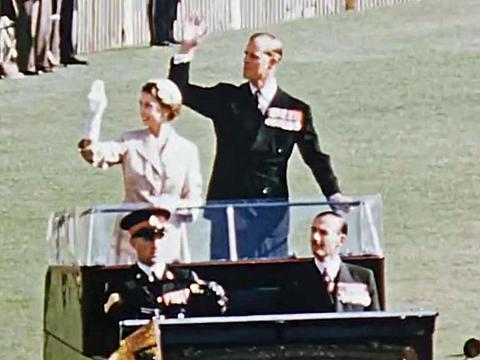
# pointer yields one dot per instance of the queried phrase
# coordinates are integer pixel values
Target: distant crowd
(38, 35)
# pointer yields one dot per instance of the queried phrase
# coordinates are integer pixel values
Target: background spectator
(161, 17)
(67, 40)
(25, 31)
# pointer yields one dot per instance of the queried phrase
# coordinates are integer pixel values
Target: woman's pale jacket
(163, 170)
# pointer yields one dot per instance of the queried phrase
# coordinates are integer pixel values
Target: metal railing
(84, 236)
(108, 24)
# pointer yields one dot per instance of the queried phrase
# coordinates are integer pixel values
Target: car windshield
(214, 232)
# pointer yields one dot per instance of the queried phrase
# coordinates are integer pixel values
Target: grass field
(396, 98)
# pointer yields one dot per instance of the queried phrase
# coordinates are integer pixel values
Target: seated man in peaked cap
(151, 284)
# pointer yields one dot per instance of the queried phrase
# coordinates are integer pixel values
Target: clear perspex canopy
(84, 236)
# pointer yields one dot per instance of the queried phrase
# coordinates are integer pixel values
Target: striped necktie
(329, 283)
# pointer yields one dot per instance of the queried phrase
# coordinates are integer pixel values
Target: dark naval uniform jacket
(253, 149)
(135, 295)
(355, 290)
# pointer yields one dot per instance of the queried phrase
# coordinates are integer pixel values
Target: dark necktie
(256, 97)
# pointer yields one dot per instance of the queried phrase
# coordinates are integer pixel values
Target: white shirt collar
(148, 270)
(266, 93)
(331, 264)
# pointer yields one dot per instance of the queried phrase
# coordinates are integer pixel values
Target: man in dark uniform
(151, 285)
(257, 125)
(329, 284)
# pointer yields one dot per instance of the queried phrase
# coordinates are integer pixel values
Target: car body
(260, 320)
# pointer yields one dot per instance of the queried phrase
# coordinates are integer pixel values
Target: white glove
(194, 28)
(175, 297)
(97, 103)
(340, 203)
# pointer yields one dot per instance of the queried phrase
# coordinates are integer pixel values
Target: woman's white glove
(97, 103)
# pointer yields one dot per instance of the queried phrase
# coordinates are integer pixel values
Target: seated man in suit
(152, 286)
(332, 284)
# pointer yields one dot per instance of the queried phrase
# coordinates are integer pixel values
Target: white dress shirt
(332, 265)
(266, 93)
(152, 272)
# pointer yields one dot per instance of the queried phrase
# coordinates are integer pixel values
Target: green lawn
(396, 98)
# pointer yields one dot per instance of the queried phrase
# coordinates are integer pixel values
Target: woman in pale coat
(159, 166)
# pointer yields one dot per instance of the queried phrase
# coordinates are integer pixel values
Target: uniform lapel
(139, 275)
(248, 97)
(322, 300)
(344, 274)
(252, 116)
(260, 142)
(277, 100)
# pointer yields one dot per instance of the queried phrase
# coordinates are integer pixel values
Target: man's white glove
(97, 103)
(340, 203)
(193, 29)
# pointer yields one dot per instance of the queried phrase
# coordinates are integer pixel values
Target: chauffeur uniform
(253, 149)
(353, 289)
(135, 296)
(144, 286)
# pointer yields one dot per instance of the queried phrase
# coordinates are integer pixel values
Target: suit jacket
(135, 292)
(153, 170)
(251, 158)
(318, 299)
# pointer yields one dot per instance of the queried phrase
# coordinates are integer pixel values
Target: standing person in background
(44, 35)
(33, 29)
(25, 28)
(55, 33)
(9, 56)
(42, 38)
(66, 30)
(161, 17)
(8, 9)
(257, 125)
(159, 166)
